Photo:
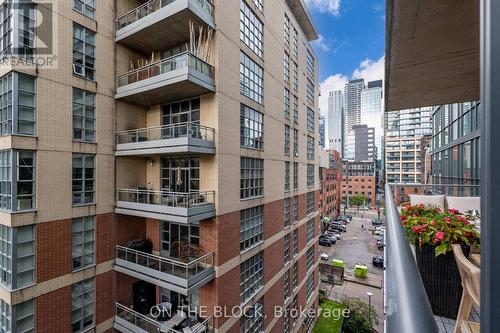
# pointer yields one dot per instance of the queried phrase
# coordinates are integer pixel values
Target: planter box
(441, 280)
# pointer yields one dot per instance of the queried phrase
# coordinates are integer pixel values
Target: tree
(357, 200)
(359, 317)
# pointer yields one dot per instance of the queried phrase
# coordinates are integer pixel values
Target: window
(310, 174)
(82, 305)
(286, 286)
(310, 64)
(83, 179)
(250, 29)
(310, 258)
(310, 202)
(252, 128)
(286, 319)
(309, 287)
(295, 43)
(83, 115)
(169, 167)
(286, 103)
(310, 121)
(17, 110)
(251, 79)
(286, 67)
(252, 177)
(295, 306)
(18, 32)
(295, 109)
(295, 76)
(286, 244)
(83, 52)
(286, 211)
(251, 227)
(286, 31)
(287, 176)
(252, 321)
(17, 171)
(310, 231)
(296, 208)
(295, 242)
(295, 175)
(17, 272)
(251, 277)
(86, 7)
(310, 148)
(295, 142)
(82, 242)
(310, 92)
(295, 275)
(286, 147)
(259, 4)
(17, 318)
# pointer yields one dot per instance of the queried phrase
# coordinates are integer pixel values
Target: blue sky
(352, 41)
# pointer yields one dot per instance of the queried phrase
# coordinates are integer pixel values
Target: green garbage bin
(338, 263)
(360, 270)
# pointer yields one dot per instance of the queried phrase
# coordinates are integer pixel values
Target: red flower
(467, 234)
(439, 237)
(453, 211)
(418, 229)
(403, 217)
(447, 220)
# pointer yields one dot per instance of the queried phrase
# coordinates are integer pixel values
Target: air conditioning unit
(78, 70)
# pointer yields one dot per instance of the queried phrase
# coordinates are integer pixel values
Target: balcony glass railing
(166, 198)
(151, 7)
(191, 130)
(180, 269)
(181, 60)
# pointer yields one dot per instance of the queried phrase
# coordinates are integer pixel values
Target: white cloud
(325, 6)
(370, 70)
(333, 82)
(323, 44)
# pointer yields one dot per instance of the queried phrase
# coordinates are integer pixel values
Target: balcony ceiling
(432, 52)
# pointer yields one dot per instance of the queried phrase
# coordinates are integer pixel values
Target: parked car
(337, 227)
(343, 222)
(323, 256)
(332, 238)
(325, 241)
(377, 222)
(333, 234)
(343, 219)
(349, 217)
(379, 232)
(378, 261)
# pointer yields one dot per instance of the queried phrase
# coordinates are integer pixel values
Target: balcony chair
(470, 275)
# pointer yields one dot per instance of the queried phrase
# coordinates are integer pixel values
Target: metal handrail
(170, 266)
(188, 129)
(166, 198)
(152, 6)
(162, 66)
(407, 307)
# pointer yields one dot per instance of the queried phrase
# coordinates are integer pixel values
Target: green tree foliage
(358, 320)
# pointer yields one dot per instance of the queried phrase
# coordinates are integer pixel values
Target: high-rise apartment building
(322, 131)
(361, 144)
(126, 196)
(336, 120)
(352, 106)
(404, 130)
(371, 111)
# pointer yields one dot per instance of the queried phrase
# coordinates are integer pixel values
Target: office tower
(129, 181)
(372, 113)
(361, 144)
(454, 146)
(404, 130)
(352, 106)
(322, 131)
(336, 120)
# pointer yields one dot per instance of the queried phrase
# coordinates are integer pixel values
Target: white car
(323, 256)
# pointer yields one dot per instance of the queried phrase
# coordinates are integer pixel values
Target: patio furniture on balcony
(139, 28)
(175, 138)
(470, 275)
(177, 77)
(164, 205)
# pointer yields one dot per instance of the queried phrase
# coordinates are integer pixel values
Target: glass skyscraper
(371, 111)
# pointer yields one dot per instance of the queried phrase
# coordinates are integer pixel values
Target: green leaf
(440, 249)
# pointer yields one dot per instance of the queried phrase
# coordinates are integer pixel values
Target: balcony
(130, 321)
(178, 138)
(174, 78)
(179, 276)
(139, 28)
(164, 205)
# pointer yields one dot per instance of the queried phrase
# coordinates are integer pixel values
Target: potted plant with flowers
(433, 231)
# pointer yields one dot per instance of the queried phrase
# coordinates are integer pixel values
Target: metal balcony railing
(183, 270)
(166, 65)
(166, 198)
(151, 7)
(191, 130)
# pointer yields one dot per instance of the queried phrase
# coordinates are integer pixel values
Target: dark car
(378, 261)
(380, 246)
(343, 222)
(377, 222)
(337, 227)
(325, 241)
(342, 219)
(349, 217)
(332, 238)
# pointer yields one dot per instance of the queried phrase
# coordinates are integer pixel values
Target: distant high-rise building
(371, 111)
(361, 144)
(352, 106)
(404, 130)
(336, 120)
(321, 131)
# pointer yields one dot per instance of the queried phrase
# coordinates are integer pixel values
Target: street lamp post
(370, 308)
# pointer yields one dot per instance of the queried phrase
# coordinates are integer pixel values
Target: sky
(351, 43)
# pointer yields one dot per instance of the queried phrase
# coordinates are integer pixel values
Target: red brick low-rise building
(330, 171)
(359, 177)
